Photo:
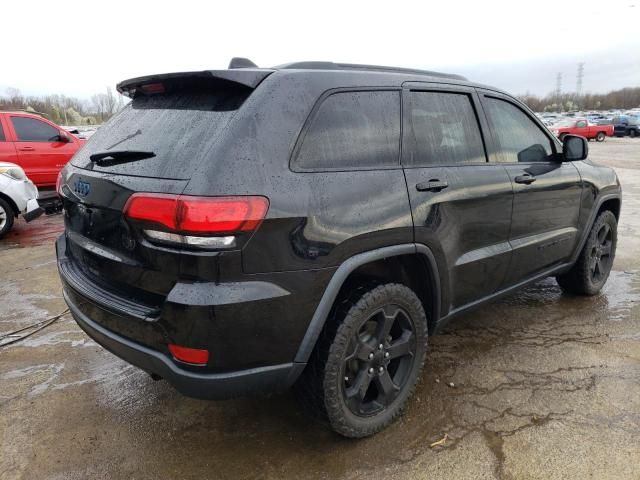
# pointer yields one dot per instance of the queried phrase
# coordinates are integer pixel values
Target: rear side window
(32, 130)
(2, 138)
(444, 130)
(180, 128)
(352, 130)
(519, 138)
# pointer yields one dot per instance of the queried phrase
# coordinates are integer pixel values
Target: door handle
(433, 185)
(26, 149)
(527, 179)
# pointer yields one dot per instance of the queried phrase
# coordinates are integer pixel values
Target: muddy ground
(546, 386)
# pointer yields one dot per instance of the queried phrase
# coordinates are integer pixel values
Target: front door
(547, 191)
(40, 152)
(461, 204)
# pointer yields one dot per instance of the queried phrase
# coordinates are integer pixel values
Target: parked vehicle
(626, 125)
(582, 127)
(39, 146)
(82, 133)
(18, 196)
(247, 230)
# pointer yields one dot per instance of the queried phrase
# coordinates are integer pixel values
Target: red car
(582, 127)
(39, 146)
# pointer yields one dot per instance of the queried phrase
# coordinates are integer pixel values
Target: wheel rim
(601, 257)
(3, 217)
(379, 360)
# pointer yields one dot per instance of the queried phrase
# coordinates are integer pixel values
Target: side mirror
(575, 148)
(63, 137)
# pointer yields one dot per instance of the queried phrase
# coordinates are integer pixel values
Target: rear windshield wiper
(105, 159)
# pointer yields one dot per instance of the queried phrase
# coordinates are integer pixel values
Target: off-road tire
(8, 214)
(320, 387)
(580, 280)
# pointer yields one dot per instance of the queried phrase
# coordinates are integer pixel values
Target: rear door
(40, 152)
(7, 148)
(546, 191)
(461, 204)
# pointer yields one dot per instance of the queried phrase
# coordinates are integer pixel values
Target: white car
(18, 196)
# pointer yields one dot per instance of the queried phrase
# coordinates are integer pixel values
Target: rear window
(353, 130)
(179, 128)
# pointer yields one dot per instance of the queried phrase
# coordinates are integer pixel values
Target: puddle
(18, 309)
(41, 377)
(42, 231)
(621, 293)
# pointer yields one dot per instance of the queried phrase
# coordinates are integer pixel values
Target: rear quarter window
(352, 130)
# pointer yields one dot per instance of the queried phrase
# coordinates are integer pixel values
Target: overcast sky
(79, 48)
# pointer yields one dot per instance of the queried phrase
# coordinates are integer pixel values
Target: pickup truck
(39, 146)
(582, 127)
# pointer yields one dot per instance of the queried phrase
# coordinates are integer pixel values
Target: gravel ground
(545, 386)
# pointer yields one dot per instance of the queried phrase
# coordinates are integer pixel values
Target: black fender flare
(342, 273)
(592, 218)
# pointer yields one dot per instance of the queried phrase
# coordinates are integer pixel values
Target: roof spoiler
(239, 77)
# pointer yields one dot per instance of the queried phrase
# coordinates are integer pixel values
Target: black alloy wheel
(601, 260)
(378, 361)
(593, 266)
(368, 360)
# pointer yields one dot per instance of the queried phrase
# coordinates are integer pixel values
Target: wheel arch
(11, 203)
(406, 262)
(612, 204)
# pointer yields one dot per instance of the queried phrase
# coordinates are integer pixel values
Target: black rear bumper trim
(77, 280)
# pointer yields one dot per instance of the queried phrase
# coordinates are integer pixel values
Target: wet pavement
(537, 385)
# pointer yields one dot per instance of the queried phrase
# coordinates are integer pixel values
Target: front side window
(581, 124)
(444, 130)
(2, 138)
(519, 138)
(352, 130)
(32, 130)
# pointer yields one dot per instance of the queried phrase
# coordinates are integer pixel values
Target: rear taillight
(205, 222)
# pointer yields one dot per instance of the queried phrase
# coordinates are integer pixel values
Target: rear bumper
(251, 347)
(33, 210)
(198, 385)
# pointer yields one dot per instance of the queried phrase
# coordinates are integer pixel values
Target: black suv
(310, 225)
(624, 125)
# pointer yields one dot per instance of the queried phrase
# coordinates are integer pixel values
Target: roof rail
(372, 68)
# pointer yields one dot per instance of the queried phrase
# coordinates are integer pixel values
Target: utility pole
(558, 87)
(579, 77)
